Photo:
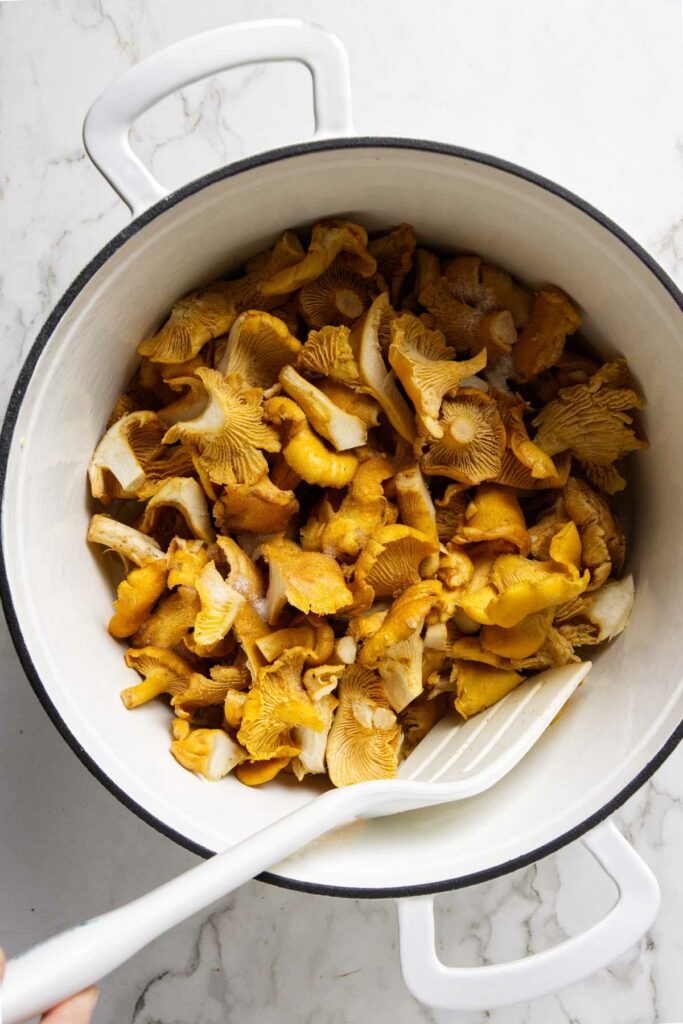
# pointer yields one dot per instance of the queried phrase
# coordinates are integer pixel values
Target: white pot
(617, 729)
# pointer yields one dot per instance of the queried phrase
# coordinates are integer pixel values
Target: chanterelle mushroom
(493, 513)
(392, 559)
(220, 604)
(328, 353)
(423, 364)
(394, 255)
(308, 580)
(338, 296)
(304, 451)
(328, 239)
(473, 439)
(340, 428)
(480, 686)
(258, 347)
(466, 327)
(136, 596)
(591, 421)
(275, 704)
(209, 752)
(162, 671)
(122, 539)
(405, 616)
(363, 511)
(365, 737)
(131, 462)
(193, 321)
(255, 508)
(542, 339)
(230, 433)
(185, 496)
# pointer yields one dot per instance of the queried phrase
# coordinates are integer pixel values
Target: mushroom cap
(321, 680)
(230, 433)
(392, 559)
(276, 702)
(193, 321)
(203, 691)
(479, 686)
(185, 495)
(465, 326)
(136, 596)
(340, 428)
(328, 239)
(493, 513)
(130, 461)
(405, 617)
(520, 641)
(338, 297)
(314, 637)
(123, 539)
(423, 364)
(255, 508)
(375, 378)
(304, 451)
(328, 353)
(255, 773)
(365, 737)
(552, 319)
(401, 671)
(162, 672)
(523, 449)
(171, 621)
(220, 604)
(591, 421)
(603, 544)
(473, 439)
(209, 752)
(455, 567)
(450, 509)
(259, 345)
(308, 580)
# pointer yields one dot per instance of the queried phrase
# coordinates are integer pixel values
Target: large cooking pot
(617, 729)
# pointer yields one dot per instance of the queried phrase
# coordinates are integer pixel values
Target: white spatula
(454, 761)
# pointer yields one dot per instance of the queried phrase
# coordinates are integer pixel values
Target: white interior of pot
(632, 699)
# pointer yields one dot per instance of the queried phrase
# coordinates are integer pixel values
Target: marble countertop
(584, 93)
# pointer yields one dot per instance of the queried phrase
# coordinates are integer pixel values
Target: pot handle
(109, 120)
(485, 988)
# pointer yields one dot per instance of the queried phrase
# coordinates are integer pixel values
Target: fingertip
(77, 1010)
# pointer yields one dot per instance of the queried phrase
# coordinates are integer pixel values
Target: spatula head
(467, 757)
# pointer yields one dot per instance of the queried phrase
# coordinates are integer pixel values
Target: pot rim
(6, 437)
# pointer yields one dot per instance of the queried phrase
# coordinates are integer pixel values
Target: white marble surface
(585, 93)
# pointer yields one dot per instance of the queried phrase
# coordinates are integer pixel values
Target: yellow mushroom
(203, 691)
(450, 509)
(401, 671)
(136, 596)
(392, 559)
(170, 622)
(328, 239)
(340, 428)
(131, 462)
(455, 567)
(220, 604)
(321, 680)
(230, 433)
(591, 421)
(362, 512)
(603, 544)
(275, 704)
(493, 513)
(419, 717)
(255, 508)
(417, 508)
(365, 407)
(124, 540)
(258, 347)
(405, 617)
(473, 439)
(394, 255)
(423, 364)
(487, 287)
(427, 270)
(338, 297)
(255, 773)
(190, 404)
(375, 378)
(467, 327)
(233, 707)
(523, 449)
(308, 580)
(304, 451)
(520, 641)
(553, 318)
(365, 737)
(245, 291)
(162, 671)
(185, 496)
(193, 321)
(328, 353)
(208, 752)
(314, 637)
(480, 686)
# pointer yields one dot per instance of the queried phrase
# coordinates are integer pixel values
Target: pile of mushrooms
(353, 487)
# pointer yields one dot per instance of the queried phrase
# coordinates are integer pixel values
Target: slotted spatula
(454, 761)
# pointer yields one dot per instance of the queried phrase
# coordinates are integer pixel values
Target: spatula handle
(61, 966)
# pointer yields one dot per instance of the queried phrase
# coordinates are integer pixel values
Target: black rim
(6, 439)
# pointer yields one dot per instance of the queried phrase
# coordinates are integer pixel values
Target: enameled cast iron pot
(621, 724)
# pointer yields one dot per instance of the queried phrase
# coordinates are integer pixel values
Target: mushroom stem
(461, 430)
